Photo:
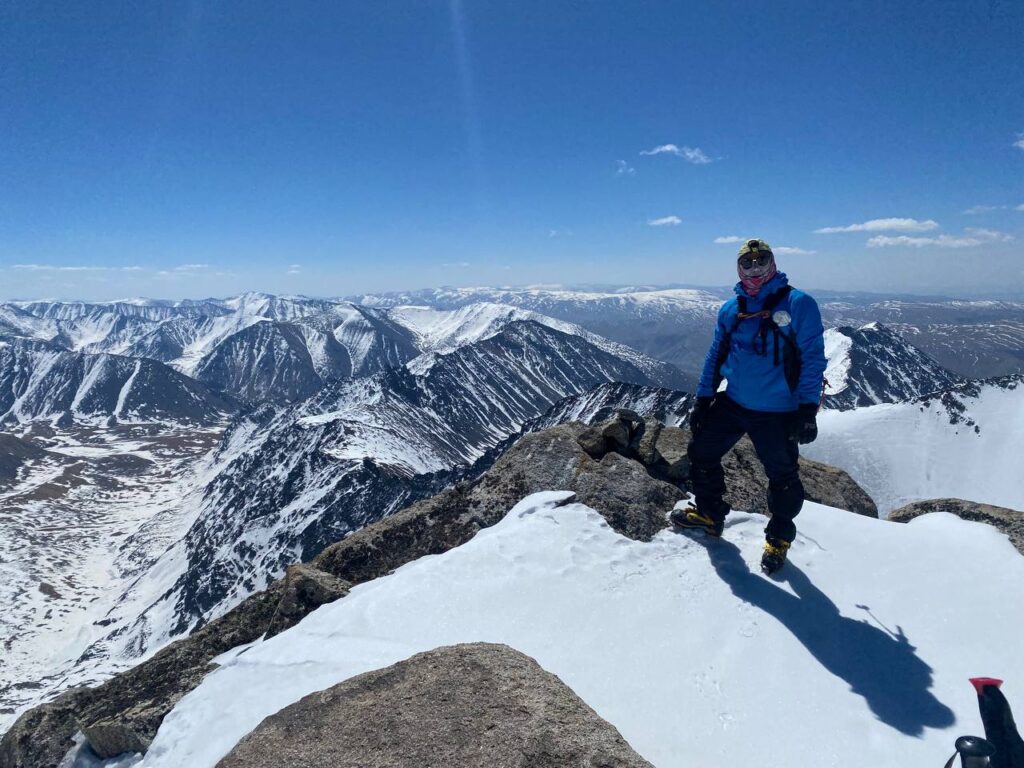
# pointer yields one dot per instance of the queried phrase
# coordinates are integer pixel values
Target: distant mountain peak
(874, 364)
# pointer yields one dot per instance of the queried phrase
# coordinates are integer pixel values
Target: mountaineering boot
(774, 556)
(691, 518)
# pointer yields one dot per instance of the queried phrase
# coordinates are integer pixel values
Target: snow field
(907, 452)
(857, 654)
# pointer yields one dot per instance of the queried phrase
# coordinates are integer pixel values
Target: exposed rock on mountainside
(873, 364)
(271, 361)
(40, 380)
(14, 452)
(619, 487)
(1009, 521)
(478, 704)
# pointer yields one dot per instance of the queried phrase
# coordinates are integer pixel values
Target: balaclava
(756, 275)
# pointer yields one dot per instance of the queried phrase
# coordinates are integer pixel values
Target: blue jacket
(755, 381)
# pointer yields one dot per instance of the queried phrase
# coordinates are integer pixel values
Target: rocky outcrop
(41, 736)
(662, 450)
(303, 589)
(1009, 521)
(465, 705)
(632, 501)
(110, 739)
(632, 495)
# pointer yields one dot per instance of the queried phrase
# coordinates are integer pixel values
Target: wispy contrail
(470, 115)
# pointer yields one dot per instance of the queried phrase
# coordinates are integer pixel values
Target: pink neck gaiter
(752, 282)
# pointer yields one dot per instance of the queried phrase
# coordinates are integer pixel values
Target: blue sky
(195, 149)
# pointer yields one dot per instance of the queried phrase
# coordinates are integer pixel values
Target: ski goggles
(761, 259)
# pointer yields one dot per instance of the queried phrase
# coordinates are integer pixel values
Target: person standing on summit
(769, 346)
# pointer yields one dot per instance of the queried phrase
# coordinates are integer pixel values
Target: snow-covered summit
(825, 665)
(440, 331)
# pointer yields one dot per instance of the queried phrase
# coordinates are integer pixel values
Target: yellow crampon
(774, 556)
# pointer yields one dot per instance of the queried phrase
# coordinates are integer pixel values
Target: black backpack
(790, 350)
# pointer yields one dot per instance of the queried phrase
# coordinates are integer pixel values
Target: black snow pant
(723, 426)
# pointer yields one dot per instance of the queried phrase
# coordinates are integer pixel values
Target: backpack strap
(791, 352)
(726, 343)
(776, 298)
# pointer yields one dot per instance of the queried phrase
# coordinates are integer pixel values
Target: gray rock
(303, 590)
(110, 738)
(1009, 521)
(646, 451)
(592, 441)
(833, 487)
(616, 434)
(466, 705)
(635, 426)
(42, 736)
(631, 417)
(671, 448)
(671, 443)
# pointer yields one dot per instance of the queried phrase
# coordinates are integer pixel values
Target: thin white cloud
(51, 268)
(624, 169)
(989, 208)
(294, 266)
(456, 264)
(182, 270)
(729, 239)
(989, 235)
(693, 155)
(787, 249)
(1019, 143)
(973, 237)
(882, 225)
(665, 221)
(294, 271)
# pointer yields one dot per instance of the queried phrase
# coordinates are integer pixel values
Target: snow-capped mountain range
(295, 480)
(258, 347)
(285, 482)
(974, 339)
(340, 412)
(40, 380)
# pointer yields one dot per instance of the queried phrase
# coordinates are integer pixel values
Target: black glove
(698, 414)
(803, 427)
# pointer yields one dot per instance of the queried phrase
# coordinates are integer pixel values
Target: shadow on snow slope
(877, 664)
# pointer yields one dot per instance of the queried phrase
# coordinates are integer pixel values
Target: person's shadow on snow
(876, 663)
